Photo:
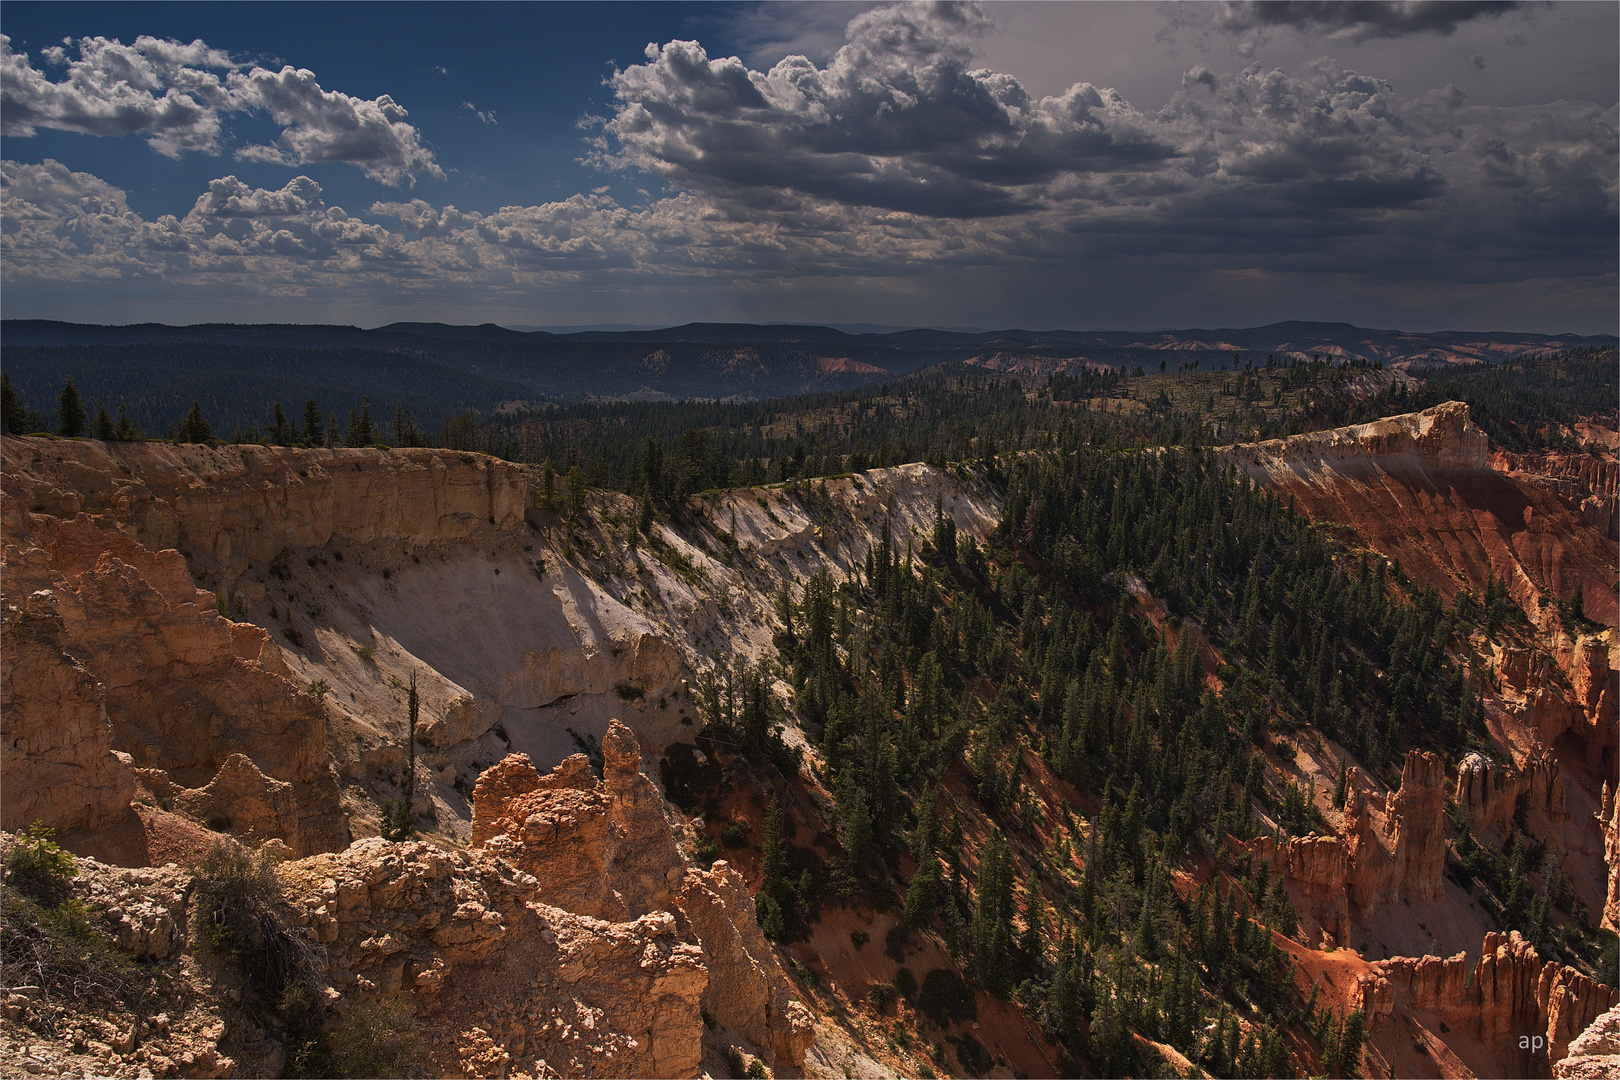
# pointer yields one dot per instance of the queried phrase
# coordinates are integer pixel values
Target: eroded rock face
(1444, 436)
(1510, 993)
(56, 753)
(1489, 794)
(604, 848)
(1396, 843)
(503, 982)
(229, 505)
(185, 689)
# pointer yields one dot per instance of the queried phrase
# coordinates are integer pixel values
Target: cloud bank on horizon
(897, 180)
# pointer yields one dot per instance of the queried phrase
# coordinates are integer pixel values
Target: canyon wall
(1510, 993)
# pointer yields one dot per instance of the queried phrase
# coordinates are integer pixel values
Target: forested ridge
(944, 686)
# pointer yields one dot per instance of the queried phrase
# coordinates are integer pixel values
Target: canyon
(220, 642)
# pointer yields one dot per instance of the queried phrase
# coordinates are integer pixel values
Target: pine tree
(362, 431)
(548, 487)
(126, 430)
(15, 416)
(103, 425)
(280, 430)
(404, 425)
(313, 427)
(193, 427)
(399, 821)
(576, 493)
(70, 414)
(991, 929)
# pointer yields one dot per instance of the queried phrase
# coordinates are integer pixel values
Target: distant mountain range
(436, 369)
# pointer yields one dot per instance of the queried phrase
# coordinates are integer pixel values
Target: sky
(1413, 165)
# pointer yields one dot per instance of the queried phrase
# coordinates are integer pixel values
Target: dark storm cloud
(896, 120)
(1359, 19)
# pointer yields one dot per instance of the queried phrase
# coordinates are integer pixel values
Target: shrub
(47, 939)
(974, 1057)
(735, 835)
(883, 996)
(859, 938)
(906, 983)
(375, 1038)
(945, 995)
(39, 868)
(238, 915)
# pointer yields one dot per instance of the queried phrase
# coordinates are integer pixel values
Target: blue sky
(1405, 164)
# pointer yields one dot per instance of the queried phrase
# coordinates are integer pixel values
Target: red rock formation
(1396, 842)
(1489, 793)
(1510, 993)
(1587, 484)
(1419, 488)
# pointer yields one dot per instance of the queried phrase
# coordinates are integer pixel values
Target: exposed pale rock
(185, 689)
(1594, 1054)
(1609, 820)
(1442, 437)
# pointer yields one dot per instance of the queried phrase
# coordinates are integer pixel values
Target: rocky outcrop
(747, 990)
(185, 689)
(1510, 993)
(1594, 1054)
(1609, 821)
(1419, 488)
(1320, 866)
(1444, 436)
(1392, 848)
(1396, 842)
(603, 847)
(1489, 794)
(56, 752)
(501, 981)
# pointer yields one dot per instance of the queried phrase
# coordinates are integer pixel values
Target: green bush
(735, 835)
(376, 1038)
(883, 996)
(47, 939)
(974, 1057)
(39, 868)
(906, 983)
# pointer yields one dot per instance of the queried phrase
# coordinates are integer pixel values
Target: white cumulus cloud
(175, 93)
